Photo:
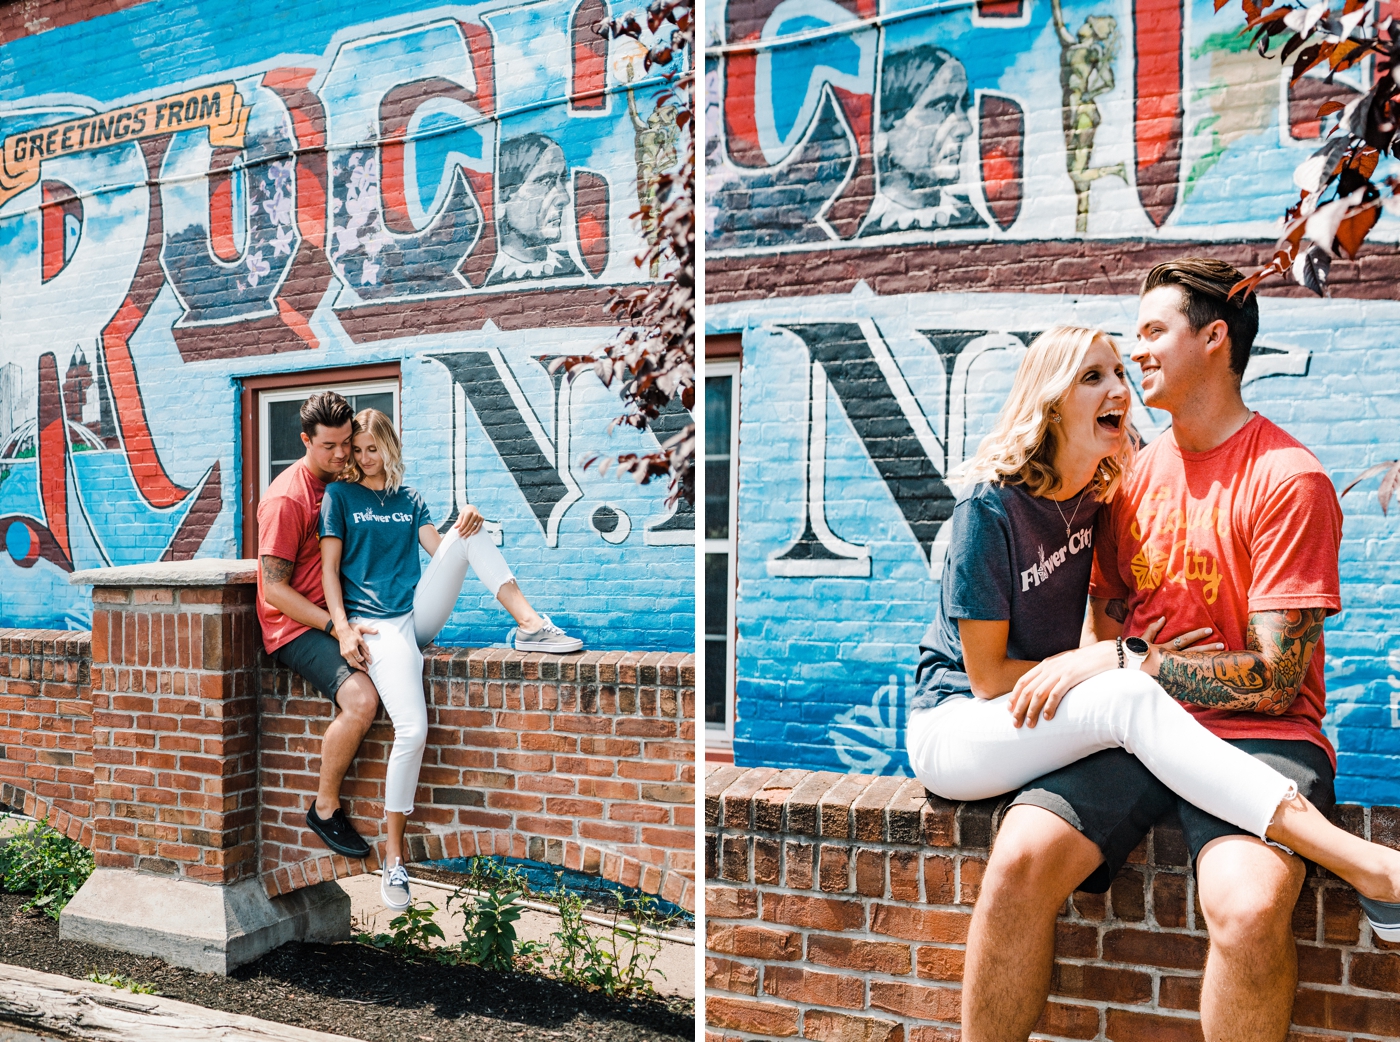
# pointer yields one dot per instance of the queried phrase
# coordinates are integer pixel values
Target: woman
(1014, 591)
(371, 527)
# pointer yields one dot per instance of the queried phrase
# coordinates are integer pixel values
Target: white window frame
(283, 394)
(720, 737)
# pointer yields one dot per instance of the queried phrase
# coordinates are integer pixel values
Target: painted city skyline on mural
(450, 190)
(861, 123)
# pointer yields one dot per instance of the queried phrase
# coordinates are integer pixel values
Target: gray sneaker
(548, 638)
(393, 887)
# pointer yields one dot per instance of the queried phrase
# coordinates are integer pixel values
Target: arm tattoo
(1265, 678)
(275, 570)
(1116, 610)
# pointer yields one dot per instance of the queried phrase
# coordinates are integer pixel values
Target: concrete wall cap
(209, 571)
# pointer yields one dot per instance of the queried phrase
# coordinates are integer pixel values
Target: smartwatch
(330, 627)
(1135, 651)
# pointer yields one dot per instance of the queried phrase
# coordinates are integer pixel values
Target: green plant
(116, 980)
(618, 958)
(490, 875)
(411, 932)
(489, 926)
(42, 860)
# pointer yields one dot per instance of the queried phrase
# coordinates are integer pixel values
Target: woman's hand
(1038, 693)
(469, 522)
(1040, 690)
(352, 644)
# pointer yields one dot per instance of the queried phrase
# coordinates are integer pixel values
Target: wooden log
(44, 1006)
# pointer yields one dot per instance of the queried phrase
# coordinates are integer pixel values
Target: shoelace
(398, 875)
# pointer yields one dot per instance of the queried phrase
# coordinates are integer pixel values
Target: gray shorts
(1114, 800)
(315, 657)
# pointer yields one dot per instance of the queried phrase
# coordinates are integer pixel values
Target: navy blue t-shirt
(1009, 559)
(379, 567)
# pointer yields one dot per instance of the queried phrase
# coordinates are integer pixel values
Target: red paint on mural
(1158, 111)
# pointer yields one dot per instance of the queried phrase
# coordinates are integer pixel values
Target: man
(297, 629)
(918, 149)
(1228, 522)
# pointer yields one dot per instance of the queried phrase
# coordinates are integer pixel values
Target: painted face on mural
(532, 217)
(1173, 356)
(923, 147)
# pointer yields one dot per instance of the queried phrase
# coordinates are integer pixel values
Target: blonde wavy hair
(386, 439)
(1021, 448)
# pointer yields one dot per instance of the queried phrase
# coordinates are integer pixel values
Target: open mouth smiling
(1112, 420)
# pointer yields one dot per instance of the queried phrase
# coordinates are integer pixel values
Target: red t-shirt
(287, 518)
(1206, 538)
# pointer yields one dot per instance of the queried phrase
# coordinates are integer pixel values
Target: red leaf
(1353, 229)
(1329, 107)
(1389, 485)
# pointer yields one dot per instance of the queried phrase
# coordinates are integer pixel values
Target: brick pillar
(174, 682)
(175, 777)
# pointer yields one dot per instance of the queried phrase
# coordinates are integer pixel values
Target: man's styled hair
(324, 409)
(1205, 298)
(903, 77)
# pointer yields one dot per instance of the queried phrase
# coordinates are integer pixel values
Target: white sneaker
(393, 887)
(548, 638)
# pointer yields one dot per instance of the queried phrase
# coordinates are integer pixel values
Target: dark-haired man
(1225, 521)
(297, 629)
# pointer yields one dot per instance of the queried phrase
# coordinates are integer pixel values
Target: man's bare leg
(1037, 861)
(1248, 891)
(358, 701)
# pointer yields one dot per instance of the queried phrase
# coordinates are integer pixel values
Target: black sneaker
(337, 832)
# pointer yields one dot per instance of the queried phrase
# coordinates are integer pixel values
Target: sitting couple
(1193, 682)
(342, 604)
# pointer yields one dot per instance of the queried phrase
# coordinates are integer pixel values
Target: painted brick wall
(837, 908)
(188, 753)
(885, 285)
(346, 185)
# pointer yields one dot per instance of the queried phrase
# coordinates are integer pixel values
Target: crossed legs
(1247, 891)
(358, 701)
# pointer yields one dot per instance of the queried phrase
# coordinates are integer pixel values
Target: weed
(116, 980)
(411, 932)
(618, 959)
(43, 860)
(489, 927)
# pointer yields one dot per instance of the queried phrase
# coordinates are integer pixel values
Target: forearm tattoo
(1265, 678)
(1116, 610)
(275, 570)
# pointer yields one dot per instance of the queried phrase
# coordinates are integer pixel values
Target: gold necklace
(1072, 515)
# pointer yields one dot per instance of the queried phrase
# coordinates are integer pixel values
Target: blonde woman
(371, 527)
(1014, 591)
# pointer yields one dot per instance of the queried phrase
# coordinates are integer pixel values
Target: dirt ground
(353, 990)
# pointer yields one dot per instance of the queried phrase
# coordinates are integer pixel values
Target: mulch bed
(354, 990)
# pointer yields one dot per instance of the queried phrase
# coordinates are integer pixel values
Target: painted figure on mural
(533, 181)
(658, 141)
(924, 102)
(1086, 72)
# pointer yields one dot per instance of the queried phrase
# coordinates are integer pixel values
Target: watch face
(1137, 645)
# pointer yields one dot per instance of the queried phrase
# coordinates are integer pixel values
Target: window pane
(284, 436)
(717, 594)
(381, 400)
(716, 499)
(719, 398)
(715, 666)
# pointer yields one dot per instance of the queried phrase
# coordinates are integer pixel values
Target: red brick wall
(46, 727)
(585, 762)
(837, 909)
(187, 753)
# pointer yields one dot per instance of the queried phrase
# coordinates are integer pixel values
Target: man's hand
(1040, 690)
(352, 644)
(469, 522)
(1265, 678)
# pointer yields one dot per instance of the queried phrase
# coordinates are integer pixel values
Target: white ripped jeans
(969, 748)
(396, 661)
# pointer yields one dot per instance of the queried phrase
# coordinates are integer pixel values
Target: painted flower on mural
(271, 219)
(257, 267)
(362, 228)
